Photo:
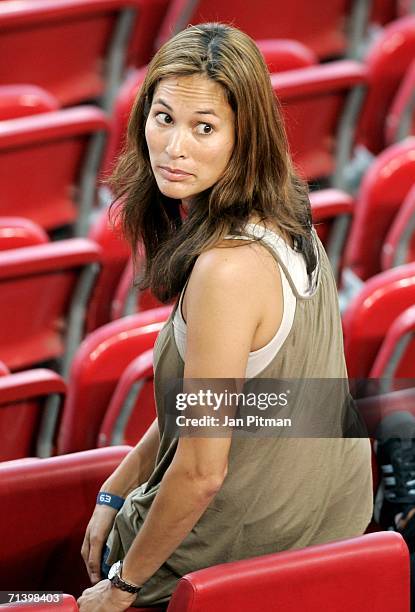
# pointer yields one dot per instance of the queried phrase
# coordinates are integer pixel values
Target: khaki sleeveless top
(279, 493)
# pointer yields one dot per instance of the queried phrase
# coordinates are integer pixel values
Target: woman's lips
(173, 175)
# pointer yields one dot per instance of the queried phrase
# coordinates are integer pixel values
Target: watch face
(114, 570)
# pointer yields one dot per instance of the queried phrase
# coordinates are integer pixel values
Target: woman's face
(190, 135)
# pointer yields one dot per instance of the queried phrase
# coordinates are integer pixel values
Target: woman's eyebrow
(160, 101)
(208, 111)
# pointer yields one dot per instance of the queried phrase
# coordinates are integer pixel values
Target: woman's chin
(176, 192)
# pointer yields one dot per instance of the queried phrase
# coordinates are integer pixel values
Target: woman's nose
(176, 145)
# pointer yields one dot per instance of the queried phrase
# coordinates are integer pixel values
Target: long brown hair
(259, 177)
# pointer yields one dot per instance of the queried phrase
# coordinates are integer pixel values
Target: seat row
(77, 285)
(61, 152)
(367, 572)
(85, 45)
(108, 395)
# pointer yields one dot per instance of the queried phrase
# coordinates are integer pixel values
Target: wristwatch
(114, 575)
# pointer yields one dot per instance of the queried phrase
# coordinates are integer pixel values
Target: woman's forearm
(180, 502)
(137, 466)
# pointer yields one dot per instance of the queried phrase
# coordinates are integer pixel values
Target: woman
(206, 142)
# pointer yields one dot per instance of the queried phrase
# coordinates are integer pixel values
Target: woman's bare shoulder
(232, 261)
(245, 275)
(222, 311)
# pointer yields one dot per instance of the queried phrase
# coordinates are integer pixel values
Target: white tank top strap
(290, 261)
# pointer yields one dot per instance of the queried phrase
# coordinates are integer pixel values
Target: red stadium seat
(114, 257)
(369, 316)
(383, 11)
(285, 54)
(65, 46)
(382, 192)
(17, 232)
(400, 121)
(119, 119)
(4, 369)
(128, 299)
(58, 494)
(96, 369)
(396, 356)
(321, 27)
(41, 160)
(22, 399)
(399, 245)
(320, 92)
(45, 506)
(37, 285)
(150, 15)
(131, 409)
(386, 62)
(280, 55)
(332, 212)
(370, 572)
(21, 100)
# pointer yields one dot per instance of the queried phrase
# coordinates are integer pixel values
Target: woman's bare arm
(222, 314)
(137, 466)
(135, 469)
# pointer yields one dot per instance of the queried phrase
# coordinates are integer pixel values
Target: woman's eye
(163, 118)
(204, 128)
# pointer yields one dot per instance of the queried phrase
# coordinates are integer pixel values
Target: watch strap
(118, 582)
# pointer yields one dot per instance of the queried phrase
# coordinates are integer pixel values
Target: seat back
(150, 15)
(332, 212)
(400, 121)
(49, 151)
(132, 408)
(285, 54)
(21, 100)
(17, 232)
(395, 359)
(399, 245)
(61, 45)
(96, 369)
(377, 565)
(128, 299)
(22, 399)
(381, 194)
(119, 119)
(387, 62)
(321, 28)
(369, 316)
(384, 11)
(45, 506)
(320, 92)
(115, 254)
(4, 369)
(37, 284)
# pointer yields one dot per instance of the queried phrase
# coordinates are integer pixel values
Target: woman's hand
(103, 597)
(96, 535)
